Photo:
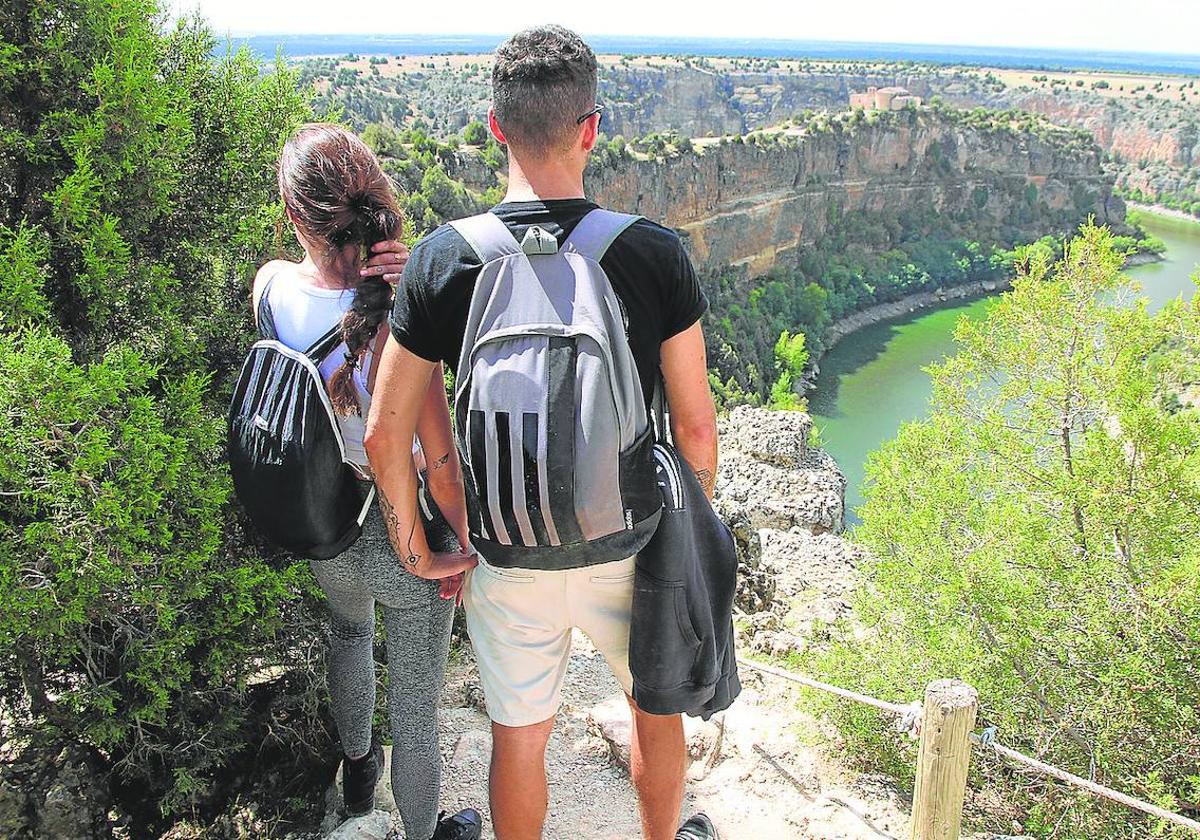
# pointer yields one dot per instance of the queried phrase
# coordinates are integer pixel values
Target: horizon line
(713, 38)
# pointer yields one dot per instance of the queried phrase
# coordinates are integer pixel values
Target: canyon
(1153, 143)
(1151, 138)
(752, 206)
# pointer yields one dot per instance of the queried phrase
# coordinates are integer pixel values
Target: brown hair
(337, 194)
(543, 79)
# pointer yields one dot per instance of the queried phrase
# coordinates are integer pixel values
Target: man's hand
(388, 259)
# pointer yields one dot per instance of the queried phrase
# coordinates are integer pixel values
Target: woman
(342, 207)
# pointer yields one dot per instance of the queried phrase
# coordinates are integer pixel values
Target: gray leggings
(417, 623)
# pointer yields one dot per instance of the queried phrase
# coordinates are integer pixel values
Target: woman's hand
(387, 260)
(451, 588)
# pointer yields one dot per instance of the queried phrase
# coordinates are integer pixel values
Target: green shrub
(1038, 537)
(791, 358)
(126, 623)
(475, 134)
(139, 199)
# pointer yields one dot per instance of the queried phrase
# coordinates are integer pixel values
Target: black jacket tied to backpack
(681, 649)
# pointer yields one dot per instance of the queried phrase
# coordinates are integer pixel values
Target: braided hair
(337, 194)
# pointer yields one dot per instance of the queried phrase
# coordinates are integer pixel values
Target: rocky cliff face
(705, 102)
(1110, 123)
(1156, 145)
(753, 206)
(784, 501)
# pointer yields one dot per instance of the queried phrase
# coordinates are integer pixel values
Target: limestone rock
(610, 719)
(58, 793)
(373, 826)
(779, 438)
(769, 477)
(755, 580)
(14, 811)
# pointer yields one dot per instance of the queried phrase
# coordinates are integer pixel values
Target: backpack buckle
(538, 241)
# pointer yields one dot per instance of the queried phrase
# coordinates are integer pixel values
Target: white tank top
(303, 313)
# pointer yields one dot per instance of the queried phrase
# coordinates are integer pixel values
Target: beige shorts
(520, 623)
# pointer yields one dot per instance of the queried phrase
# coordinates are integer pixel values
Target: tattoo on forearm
(707, 481)
(407, 556)
(441, 462)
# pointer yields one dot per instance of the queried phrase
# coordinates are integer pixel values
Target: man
(520, 619)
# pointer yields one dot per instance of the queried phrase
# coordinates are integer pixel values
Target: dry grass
(1121, 85)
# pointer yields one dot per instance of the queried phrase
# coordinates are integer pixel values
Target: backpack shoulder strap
(597, 231)
(266, 318)
(325, 345)
(488, 237)
(658, 410)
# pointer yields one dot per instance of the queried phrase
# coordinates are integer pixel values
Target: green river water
(874, 379)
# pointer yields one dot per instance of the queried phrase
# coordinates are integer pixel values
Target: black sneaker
(699, 827)
(359, 777)
(467, 824)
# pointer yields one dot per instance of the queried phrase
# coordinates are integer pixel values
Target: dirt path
(770, 778)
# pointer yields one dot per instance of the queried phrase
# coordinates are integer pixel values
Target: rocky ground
(763, 769)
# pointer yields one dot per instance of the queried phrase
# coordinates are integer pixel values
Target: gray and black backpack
(552, 427)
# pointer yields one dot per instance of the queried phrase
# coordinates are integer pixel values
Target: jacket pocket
(664, 645)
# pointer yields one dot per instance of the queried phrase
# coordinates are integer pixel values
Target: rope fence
(938, 807)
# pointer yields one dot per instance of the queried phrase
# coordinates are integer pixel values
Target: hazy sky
(1134, 25)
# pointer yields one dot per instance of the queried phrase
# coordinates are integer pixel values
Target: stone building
(884, 99)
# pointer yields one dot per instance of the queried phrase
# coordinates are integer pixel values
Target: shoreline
(906, 305)
(1144, 258)
(1159, 210)
(918, 301)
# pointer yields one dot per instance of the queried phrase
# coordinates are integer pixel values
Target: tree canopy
(138, 198)
(1039, 537)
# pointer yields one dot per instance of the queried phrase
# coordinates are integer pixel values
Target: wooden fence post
(942, 760)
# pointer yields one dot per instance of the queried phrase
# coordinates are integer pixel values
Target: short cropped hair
(543, 79)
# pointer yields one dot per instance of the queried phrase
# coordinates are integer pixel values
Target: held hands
(447, 568)
(451, 588)
(387, 261)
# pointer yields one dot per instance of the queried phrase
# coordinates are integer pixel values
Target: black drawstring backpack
(286, 451)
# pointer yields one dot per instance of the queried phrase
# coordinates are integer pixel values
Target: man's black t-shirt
(647, 266)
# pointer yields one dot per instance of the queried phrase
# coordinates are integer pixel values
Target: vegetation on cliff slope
(1039, 537)
(139, 198)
